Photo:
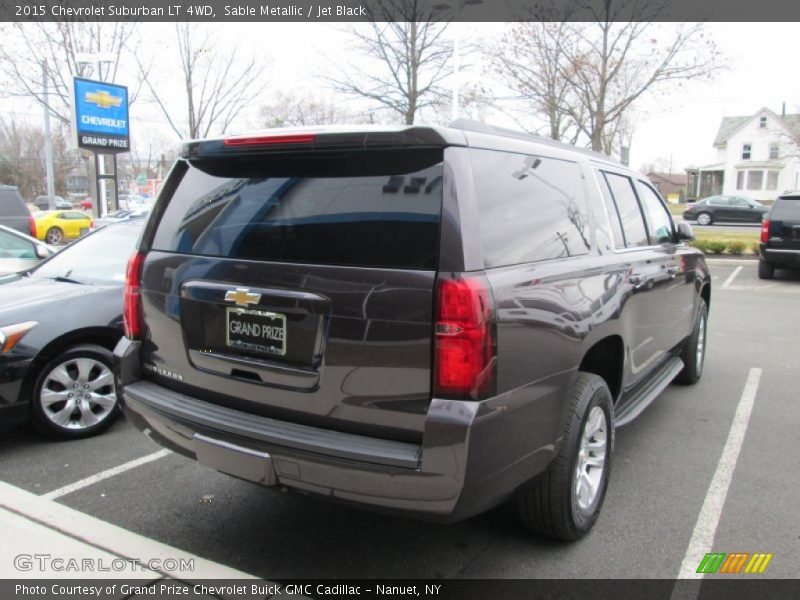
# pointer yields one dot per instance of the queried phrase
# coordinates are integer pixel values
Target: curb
(108, 537)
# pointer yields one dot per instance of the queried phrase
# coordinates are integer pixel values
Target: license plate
(256, 330)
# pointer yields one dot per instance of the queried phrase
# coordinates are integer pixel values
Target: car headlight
(10, 335)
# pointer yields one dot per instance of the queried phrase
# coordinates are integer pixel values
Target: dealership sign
(101, 116)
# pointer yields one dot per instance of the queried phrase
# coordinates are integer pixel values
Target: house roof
(730, 125)
(673, 178)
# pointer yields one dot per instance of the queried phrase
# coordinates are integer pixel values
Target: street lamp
(457, 52)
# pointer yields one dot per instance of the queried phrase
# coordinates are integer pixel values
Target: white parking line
(731, 277)
(74, 487)
(706, 527)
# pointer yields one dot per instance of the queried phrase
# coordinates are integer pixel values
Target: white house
(757, 156)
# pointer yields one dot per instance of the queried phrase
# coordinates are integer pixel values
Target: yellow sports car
(55, 226)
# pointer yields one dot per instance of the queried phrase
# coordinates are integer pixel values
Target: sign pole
(97, 195)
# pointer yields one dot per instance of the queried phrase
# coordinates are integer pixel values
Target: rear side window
(630, 215)
(365, 211)
(659, 222)
(785, 209)
(531, 208)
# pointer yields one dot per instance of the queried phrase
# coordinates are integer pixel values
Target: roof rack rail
(478, 127)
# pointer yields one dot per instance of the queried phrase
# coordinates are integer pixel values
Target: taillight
(131, 297)
(765, 231)
(32, 224)
(464, 365)
(263, 140)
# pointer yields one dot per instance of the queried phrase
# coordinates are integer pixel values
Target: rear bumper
(789, 258)
(474, 455)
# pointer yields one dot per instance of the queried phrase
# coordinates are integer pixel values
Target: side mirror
(684, 232)
(42, 251)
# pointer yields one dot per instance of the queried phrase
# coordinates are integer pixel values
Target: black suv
(780, 236)
(14, 212)
(424, 320)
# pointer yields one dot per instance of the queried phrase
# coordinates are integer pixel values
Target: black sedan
(725, 208)
(59, 323)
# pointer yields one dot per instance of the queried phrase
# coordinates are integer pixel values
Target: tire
(79, 377)
(766, 269)
(704, 218)
(693, 353)
(54, 235)
(559, 504)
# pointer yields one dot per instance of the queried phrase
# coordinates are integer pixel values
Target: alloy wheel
(701, 343)
(78, 393)
(591, 459)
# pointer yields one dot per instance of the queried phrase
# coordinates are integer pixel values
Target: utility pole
(48, 142)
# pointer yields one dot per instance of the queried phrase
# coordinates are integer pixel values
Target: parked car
(14, 212)
(425, 320)
(134, 201)
(57, 203)
(57, 226)
(20, 252)
(123, 214)
(725, 208)
(58, 325)
(780, 236)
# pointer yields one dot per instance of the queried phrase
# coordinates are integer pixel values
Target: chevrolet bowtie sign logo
(242, 297)
(103, 99)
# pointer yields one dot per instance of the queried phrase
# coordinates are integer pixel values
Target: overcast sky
(676, 126)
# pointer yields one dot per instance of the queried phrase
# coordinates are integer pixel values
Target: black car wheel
(54, 235)
(74, 394)
(693, 353)
(704, 218)
(766, 269)
(565, 501)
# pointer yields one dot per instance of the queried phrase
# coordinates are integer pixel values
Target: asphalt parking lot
(663, 503)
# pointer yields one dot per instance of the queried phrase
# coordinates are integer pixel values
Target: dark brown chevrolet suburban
(428, 321)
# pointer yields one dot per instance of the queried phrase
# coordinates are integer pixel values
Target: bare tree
(217, 84)
(529, 59)
(22, 157)
(609, 63)
(584, 77)
(27, 45)
(288, 109)
(410, 58)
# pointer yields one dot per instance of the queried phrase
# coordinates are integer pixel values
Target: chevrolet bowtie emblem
(242, 297)
(103, 99)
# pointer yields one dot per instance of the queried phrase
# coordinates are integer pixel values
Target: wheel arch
(606, 359)
(107, 337)
(705, 294)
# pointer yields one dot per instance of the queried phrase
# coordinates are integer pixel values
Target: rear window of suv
(532, 208)
(363, 210)
(785, 209)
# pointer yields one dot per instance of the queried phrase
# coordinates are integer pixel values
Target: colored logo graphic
(103, 99)
(737, 562)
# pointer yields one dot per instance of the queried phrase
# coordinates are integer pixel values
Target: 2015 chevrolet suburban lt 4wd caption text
(428, 321)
